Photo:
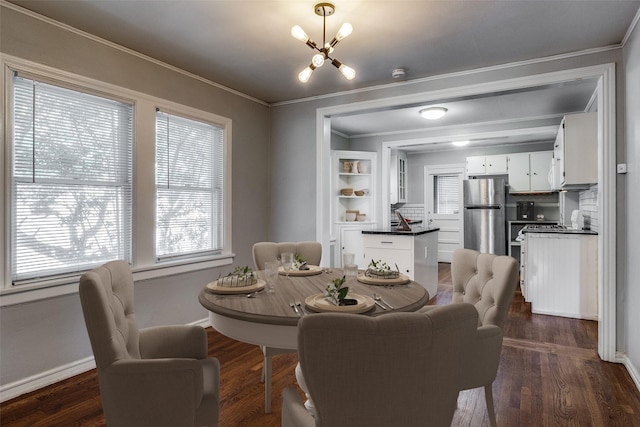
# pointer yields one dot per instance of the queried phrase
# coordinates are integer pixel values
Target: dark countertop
(415, 231)
(562, 231)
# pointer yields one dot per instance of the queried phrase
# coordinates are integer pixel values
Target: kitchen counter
(414, 253)
(559, 231)
(415, 231)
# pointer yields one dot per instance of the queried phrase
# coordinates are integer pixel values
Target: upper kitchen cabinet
(529, 172)
(398, 177)
(487, 165)
(576, 151)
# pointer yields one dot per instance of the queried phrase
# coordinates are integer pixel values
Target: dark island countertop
(562, 231)
(415, 231)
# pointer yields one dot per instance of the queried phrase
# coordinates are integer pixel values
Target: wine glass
(287, 262)
(271, 275)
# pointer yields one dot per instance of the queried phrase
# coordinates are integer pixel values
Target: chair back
(485, 280)
(106, 296)
(310, 251)
(396, 369)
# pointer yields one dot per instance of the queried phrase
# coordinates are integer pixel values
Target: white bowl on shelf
(350, 216)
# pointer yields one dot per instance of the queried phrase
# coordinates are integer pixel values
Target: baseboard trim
(46, 378)
(52, 376)
(633, 372)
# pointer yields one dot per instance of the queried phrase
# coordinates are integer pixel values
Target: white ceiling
(246, 45)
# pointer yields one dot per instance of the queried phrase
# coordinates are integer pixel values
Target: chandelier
(324, 10)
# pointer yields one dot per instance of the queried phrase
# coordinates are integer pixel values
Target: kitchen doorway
(443, 206)
(607, 193)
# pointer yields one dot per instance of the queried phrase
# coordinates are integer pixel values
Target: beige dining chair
(398, 369)
(311, 252)
(488, 282)
(158, 376)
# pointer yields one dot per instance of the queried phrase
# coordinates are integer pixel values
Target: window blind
(446, 194)
(71, 180)
(189, 186)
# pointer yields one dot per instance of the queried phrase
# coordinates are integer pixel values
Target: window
(71, 180)
(446, 194)
(189, 187)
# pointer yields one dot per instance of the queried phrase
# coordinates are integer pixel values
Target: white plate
(321, 303)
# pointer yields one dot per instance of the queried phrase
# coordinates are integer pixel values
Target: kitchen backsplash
(588, 203)
(413, 212)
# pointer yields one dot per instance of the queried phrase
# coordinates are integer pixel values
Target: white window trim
(145, 265)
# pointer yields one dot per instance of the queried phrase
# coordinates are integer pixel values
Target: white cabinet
(576, 151)
(351, 239)
(529, 172)
(487, 165)
(398, 177)
(355, 170)
(416, 255)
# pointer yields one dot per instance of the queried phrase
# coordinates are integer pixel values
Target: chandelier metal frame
(324, 10)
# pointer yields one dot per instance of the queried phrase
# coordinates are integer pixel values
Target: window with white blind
(446, 194)
(71, 180)
(189, 187)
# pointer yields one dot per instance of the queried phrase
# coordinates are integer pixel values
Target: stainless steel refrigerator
(484, 215)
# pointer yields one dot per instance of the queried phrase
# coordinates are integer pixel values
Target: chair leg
(264, 362)
(488, 396)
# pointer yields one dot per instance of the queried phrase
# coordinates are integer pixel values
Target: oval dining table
(268, 320)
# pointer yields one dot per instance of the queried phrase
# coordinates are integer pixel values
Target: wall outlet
(622, 168)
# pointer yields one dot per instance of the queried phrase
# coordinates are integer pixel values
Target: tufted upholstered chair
(311, 252)
(270, 251)
(488, 282)
(399, 369)
(157, 376)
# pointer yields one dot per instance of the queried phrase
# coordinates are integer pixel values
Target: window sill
(69, 285)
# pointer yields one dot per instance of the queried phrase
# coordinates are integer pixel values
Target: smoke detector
(398, 73)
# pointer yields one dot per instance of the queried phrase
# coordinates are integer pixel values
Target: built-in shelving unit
(356, 170)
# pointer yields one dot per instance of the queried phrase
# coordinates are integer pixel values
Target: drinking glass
(287, 261)
(271, 275)
(350, 272)
(348, 259)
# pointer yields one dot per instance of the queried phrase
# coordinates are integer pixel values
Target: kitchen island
(560, 271)
(414, 252)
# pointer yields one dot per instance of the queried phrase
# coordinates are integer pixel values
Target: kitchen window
(446, 194)
(189, 186)
(71, 180)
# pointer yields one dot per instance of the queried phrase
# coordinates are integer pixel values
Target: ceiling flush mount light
(460, 143)
(324, 10)
(433, 113)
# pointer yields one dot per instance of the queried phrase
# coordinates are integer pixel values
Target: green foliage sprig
(337, 290)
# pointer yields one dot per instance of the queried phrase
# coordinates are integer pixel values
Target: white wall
(41, 337)
(629, 285)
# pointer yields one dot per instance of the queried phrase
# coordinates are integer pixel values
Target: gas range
(545, 227)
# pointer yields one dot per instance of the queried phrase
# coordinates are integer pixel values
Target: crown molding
(112, 45)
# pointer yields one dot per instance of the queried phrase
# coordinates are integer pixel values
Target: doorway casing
(605, 73)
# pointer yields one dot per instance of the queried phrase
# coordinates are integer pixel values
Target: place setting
(379, 273)
(242, 280)
(295, 265)
(337, 296)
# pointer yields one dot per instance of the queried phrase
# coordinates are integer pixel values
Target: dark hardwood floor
(549, 375)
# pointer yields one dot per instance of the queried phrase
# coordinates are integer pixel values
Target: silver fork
(293, 305)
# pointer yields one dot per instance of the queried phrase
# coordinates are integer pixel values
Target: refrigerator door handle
(484, 207)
